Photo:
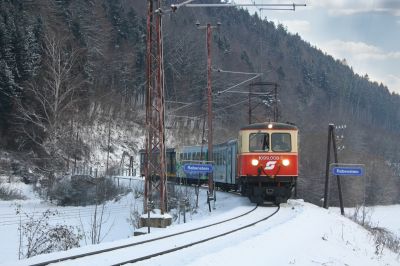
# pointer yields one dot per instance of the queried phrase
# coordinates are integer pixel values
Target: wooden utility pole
(209, 112)
(332, 139)
(108, 143)
(208, 29)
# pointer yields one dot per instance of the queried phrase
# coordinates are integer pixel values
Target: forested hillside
(68, 65)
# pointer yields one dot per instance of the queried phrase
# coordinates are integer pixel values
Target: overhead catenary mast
(154, 166)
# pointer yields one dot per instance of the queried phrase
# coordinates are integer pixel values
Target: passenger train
(262, 163)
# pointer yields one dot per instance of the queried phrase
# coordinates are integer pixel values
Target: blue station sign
(348, 170)
(198, 168)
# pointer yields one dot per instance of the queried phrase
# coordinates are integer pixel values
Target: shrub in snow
(21, 170)
(9, 193)
(84, 190)
(38, 236)
(384, 238)
(138, 190)
(381, 236)
(362, 215)
(181, 202)
(134, 217)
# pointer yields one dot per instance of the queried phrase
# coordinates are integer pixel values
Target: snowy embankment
(300, 234)
(387, 217)
(312, 236)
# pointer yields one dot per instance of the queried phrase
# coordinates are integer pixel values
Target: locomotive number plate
(268, 158)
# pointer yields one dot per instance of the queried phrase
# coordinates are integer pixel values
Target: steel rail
(197, 242)
(138, 243)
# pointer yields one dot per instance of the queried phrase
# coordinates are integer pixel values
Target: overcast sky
(364, 32)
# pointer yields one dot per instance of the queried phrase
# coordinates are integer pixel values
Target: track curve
(97, 252)
(198, 242)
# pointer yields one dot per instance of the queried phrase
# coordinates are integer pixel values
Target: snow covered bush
(39, 236)
(382, 237)
(7, 192)
(138, 190)
(362, 215)
(84, 190)
(134, 217)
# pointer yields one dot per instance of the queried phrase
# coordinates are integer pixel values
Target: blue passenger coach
(224, 157)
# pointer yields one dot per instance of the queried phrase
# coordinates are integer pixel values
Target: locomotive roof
(275, 125)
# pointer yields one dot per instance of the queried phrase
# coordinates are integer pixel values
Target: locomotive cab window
(259, 142)
(281, 142)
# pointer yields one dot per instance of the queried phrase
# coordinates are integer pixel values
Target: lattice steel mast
(154, 165)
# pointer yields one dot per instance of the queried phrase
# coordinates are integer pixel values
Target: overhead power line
(241, 83)
(188, 3)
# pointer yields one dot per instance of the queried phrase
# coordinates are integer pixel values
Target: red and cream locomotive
(267, 161)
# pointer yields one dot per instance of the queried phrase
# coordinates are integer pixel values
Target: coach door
(228, 159)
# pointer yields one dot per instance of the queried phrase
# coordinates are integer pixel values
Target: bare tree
(43, 113)
(95, 233)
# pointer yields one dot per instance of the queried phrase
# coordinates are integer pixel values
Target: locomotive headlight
(285, 162)
(254, 162)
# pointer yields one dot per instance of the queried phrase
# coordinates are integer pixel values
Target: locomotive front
(268, 161)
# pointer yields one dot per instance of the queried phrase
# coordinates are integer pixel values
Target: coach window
(259, 142)
(173, 163)
(281, 142)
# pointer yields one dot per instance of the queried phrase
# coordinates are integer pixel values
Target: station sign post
(198, 168)
(348, 169)
(342, 169)
(190, 168)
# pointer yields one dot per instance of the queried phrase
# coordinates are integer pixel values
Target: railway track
(147, 249)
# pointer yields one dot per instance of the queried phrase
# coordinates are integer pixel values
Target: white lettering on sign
(197, 168)
(270, 165)
(268, 158)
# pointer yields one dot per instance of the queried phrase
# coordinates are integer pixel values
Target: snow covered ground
(387, 217)
(300, 234)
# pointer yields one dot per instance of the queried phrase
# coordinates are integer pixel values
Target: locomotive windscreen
(259, 142)
(281, 142)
